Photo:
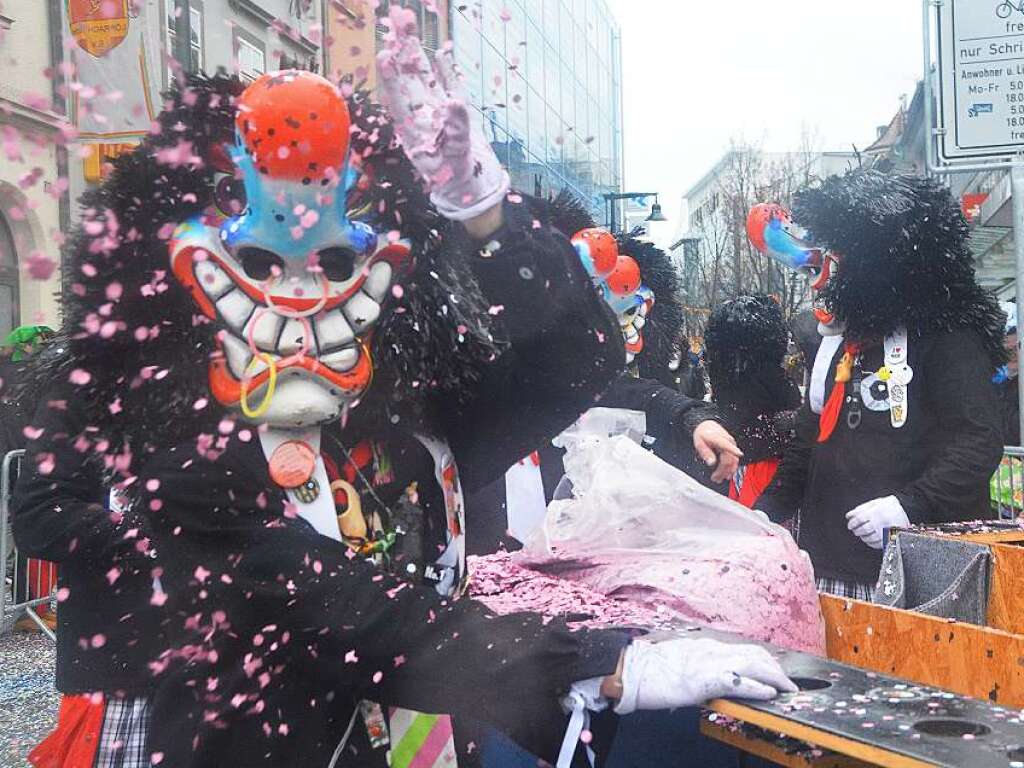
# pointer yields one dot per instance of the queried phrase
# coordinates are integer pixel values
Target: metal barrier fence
(1007, 486)
(27, 584)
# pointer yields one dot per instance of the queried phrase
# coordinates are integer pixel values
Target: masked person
(746, 340)
(281, 348)
(639, 283)
(901, 424)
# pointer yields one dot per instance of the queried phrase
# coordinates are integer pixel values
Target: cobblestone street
(28, 700)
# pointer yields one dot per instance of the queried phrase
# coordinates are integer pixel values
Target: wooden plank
(974, 661)
(768, 751)
(989, 537)
(1006, 595)
(864, 752)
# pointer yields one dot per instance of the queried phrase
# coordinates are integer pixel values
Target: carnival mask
(618, 278)
(772, 232)
(292, 283)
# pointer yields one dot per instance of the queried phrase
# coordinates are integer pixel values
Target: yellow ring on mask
(271, 387)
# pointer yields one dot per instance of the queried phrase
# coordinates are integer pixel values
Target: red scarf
(834, 405)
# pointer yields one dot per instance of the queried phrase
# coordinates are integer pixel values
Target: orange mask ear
(598, 250)
(624, 280)
(295, 125)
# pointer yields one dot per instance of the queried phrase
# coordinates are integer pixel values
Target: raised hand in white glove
(870, 519)
(686, 672)
(435, 124)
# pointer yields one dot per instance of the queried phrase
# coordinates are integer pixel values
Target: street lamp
(611, 197)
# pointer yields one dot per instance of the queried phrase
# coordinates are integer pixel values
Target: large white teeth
(332, 331)
(235, 307)
(237, 353)
(341, 361)
(267, 329)
(212, 279)
(292, 337)
(378, 281)
(361, 311)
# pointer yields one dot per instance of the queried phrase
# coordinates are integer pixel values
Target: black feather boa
(905, 258)
(664, 325)
(136, 351)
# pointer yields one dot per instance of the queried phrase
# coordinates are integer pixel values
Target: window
(195, 36)
(9, 319)
(251, 59)
(429, 24)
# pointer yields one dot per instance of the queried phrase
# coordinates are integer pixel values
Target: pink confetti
(80, 377)
(351, 658)
(63, 594)
(98, 640)
(46, 463)
(39, 266)
(201, 574)
(32, 433)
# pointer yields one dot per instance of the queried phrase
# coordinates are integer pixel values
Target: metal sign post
(979, 125)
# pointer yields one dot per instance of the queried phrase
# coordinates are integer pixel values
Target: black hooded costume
(253, 635)
(746, 339)
(903, 262)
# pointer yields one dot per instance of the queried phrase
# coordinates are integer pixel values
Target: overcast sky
(697, 72)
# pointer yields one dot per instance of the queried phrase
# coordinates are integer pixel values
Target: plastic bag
(639, 529)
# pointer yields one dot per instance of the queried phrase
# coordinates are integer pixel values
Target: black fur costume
(903, 261)
(746, 339)
(494, 354)
(904, 255)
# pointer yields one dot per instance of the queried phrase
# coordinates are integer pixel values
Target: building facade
(546, 76)
(355, 32)
(34, 202)
(247, 37)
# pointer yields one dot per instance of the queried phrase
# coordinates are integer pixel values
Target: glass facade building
(546, 74)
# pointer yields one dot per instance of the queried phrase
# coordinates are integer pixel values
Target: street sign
(981, 76)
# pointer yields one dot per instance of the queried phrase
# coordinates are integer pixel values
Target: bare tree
(728, 265)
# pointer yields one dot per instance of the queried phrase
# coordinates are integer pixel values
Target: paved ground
(28, 701)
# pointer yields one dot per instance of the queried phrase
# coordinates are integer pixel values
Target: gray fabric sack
(947, 578)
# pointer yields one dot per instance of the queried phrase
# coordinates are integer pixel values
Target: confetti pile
(505, 586)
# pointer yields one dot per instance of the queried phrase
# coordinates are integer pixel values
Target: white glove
(433, 119)
(870, 519)
(685, 673)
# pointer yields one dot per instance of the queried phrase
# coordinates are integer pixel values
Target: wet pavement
(28, 700)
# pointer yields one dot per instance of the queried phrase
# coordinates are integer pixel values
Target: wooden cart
(984, 662)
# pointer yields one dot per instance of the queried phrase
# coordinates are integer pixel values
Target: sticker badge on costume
(899, 376)
(874, 393)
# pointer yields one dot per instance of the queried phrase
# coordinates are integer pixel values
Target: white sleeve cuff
(583, 698)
